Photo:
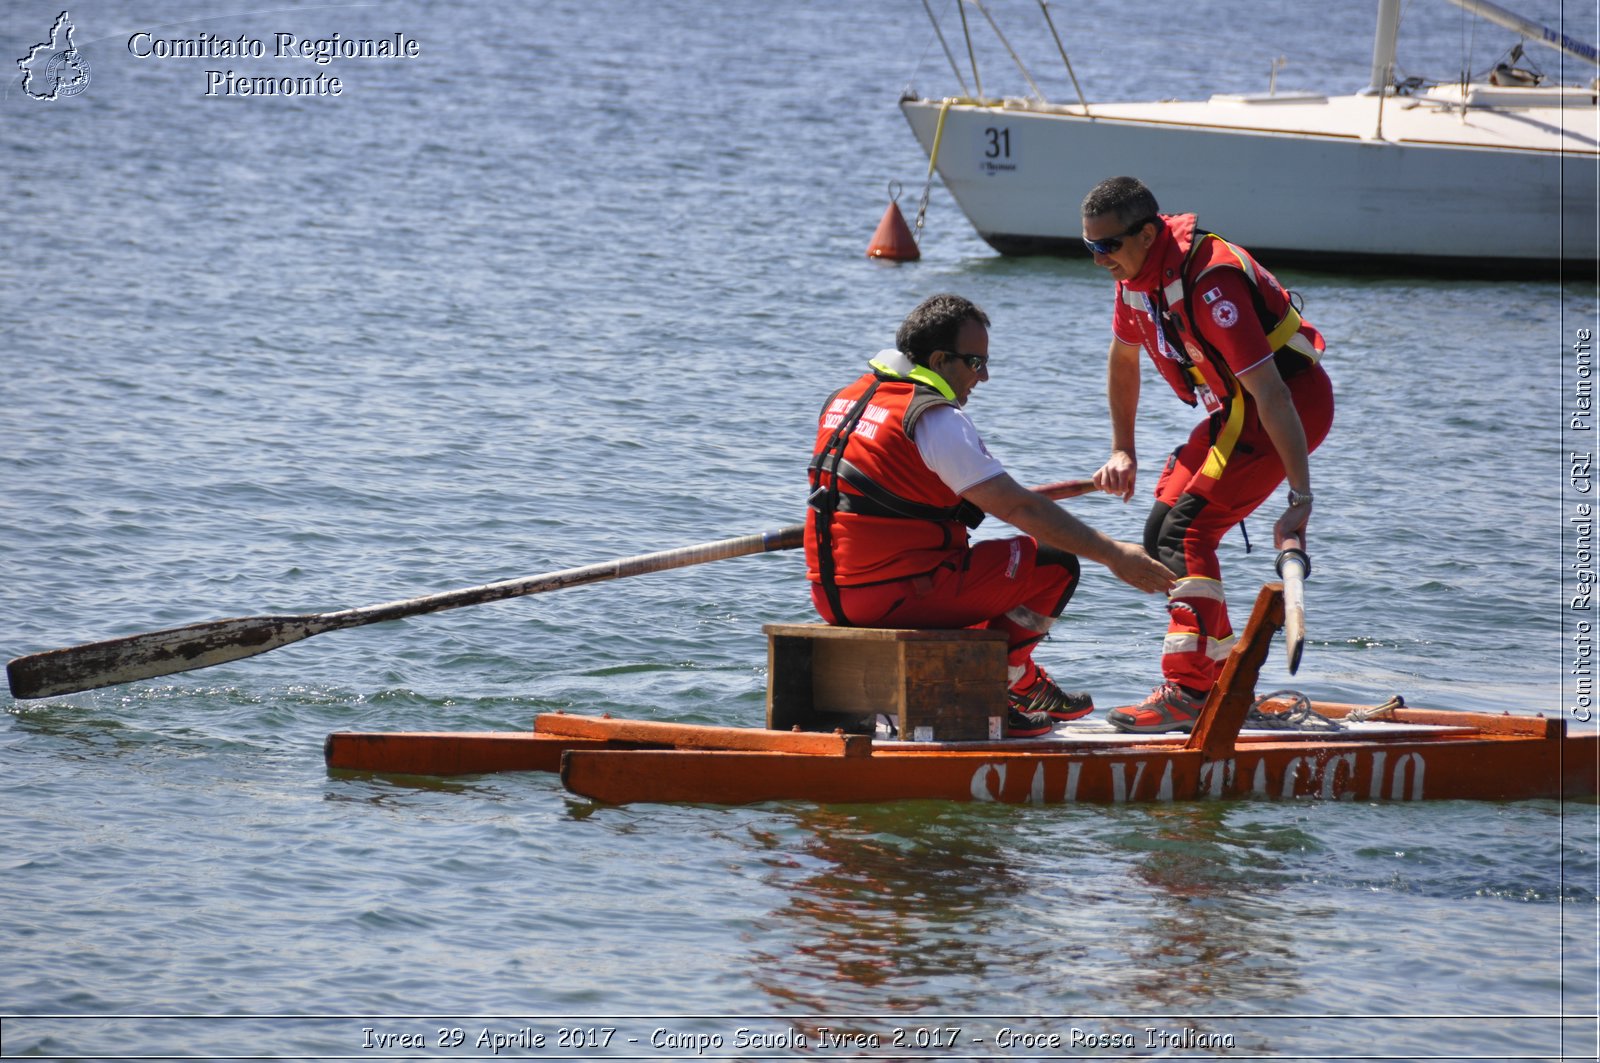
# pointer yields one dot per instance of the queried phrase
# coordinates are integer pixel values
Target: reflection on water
(1042, 911)
(892, 900)
(1216, 921)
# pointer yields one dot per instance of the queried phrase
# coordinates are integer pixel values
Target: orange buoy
(893, 240)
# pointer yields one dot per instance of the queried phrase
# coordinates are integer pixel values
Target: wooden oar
(1293, 568)
(1066, 489)
(184, 649)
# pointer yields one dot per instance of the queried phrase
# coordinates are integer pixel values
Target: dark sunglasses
(975, 362)
(1112, 244)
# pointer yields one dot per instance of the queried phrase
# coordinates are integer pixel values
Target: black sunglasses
(1110, 245)
(975, 362)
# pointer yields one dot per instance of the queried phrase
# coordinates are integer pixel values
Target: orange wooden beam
(448, 753)
(703, 736)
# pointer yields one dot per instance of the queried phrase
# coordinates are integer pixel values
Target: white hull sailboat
(1481, 177)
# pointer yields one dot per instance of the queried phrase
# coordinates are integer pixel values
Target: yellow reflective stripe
(1244, 263)
(1217, 459)
(1220, 648)
(1285, 330)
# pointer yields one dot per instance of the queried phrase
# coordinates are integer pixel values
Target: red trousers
(1008, 585)
(1193, 511)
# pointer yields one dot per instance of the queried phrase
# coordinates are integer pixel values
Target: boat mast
(1530, 29)
(1383, 48)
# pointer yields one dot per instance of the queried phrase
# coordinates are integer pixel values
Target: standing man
(899, 475)
(1225, 335)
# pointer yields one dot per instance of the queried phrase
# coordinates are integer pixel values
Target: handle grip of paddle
(1297, 554)
(791, 538)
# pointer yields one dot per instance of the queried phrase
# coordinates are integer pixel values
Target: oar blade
(1293, 567)
(154, 653)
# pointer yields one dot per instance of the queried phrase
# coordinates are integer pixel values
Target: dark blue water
(568, 286)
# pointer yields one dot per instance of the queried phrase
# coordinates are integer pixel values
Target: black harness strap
(1173, 324)
(876, 501)
(827, 460)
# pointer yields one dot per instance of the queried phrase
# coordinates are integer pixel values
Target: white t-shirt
(947, 439)
(949, 442)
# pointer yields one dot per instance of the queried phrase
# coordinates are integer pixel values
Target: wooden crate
(939, 686)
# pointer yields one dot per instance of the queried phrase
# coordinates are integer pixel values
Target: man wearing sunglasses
(898, 476)
(1225, 335)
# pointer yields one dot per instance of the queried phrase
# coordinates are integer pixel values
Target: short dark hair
(933, 325)
(1124, 197)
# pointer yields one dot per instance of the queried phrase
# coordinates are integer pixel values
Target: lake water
(569, 285)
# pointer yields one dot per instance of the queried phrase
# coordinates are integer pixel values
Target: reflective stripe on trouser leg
(1055, 577)
(1199, 636)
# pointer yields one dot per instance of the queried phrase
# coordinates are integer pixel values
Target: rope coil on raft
(1299, 716)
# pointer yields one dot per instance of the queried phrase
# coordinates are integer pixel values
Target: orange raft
(1390, 754)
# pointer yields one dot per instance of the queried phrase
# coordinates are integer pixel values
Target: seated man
(899, 475)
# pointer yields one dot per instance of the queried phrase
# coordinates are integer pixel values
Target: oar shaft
(682, 557)
(184, 649)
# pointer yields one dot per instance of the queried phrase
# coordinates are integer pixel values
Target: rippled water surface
(570, 286)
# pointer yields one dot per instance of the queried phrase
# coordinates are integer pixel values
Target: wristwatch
(1298, 499)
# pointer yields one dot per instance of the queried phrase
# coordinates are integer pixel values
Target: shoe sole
(1066, 717)
(1128, 727)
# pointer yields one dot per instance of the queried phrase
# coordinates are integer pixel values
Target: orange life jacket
(876, 511)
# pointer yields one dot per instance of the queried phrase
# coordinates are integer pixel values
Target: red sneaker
(1044, 696)
(1168, 708)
